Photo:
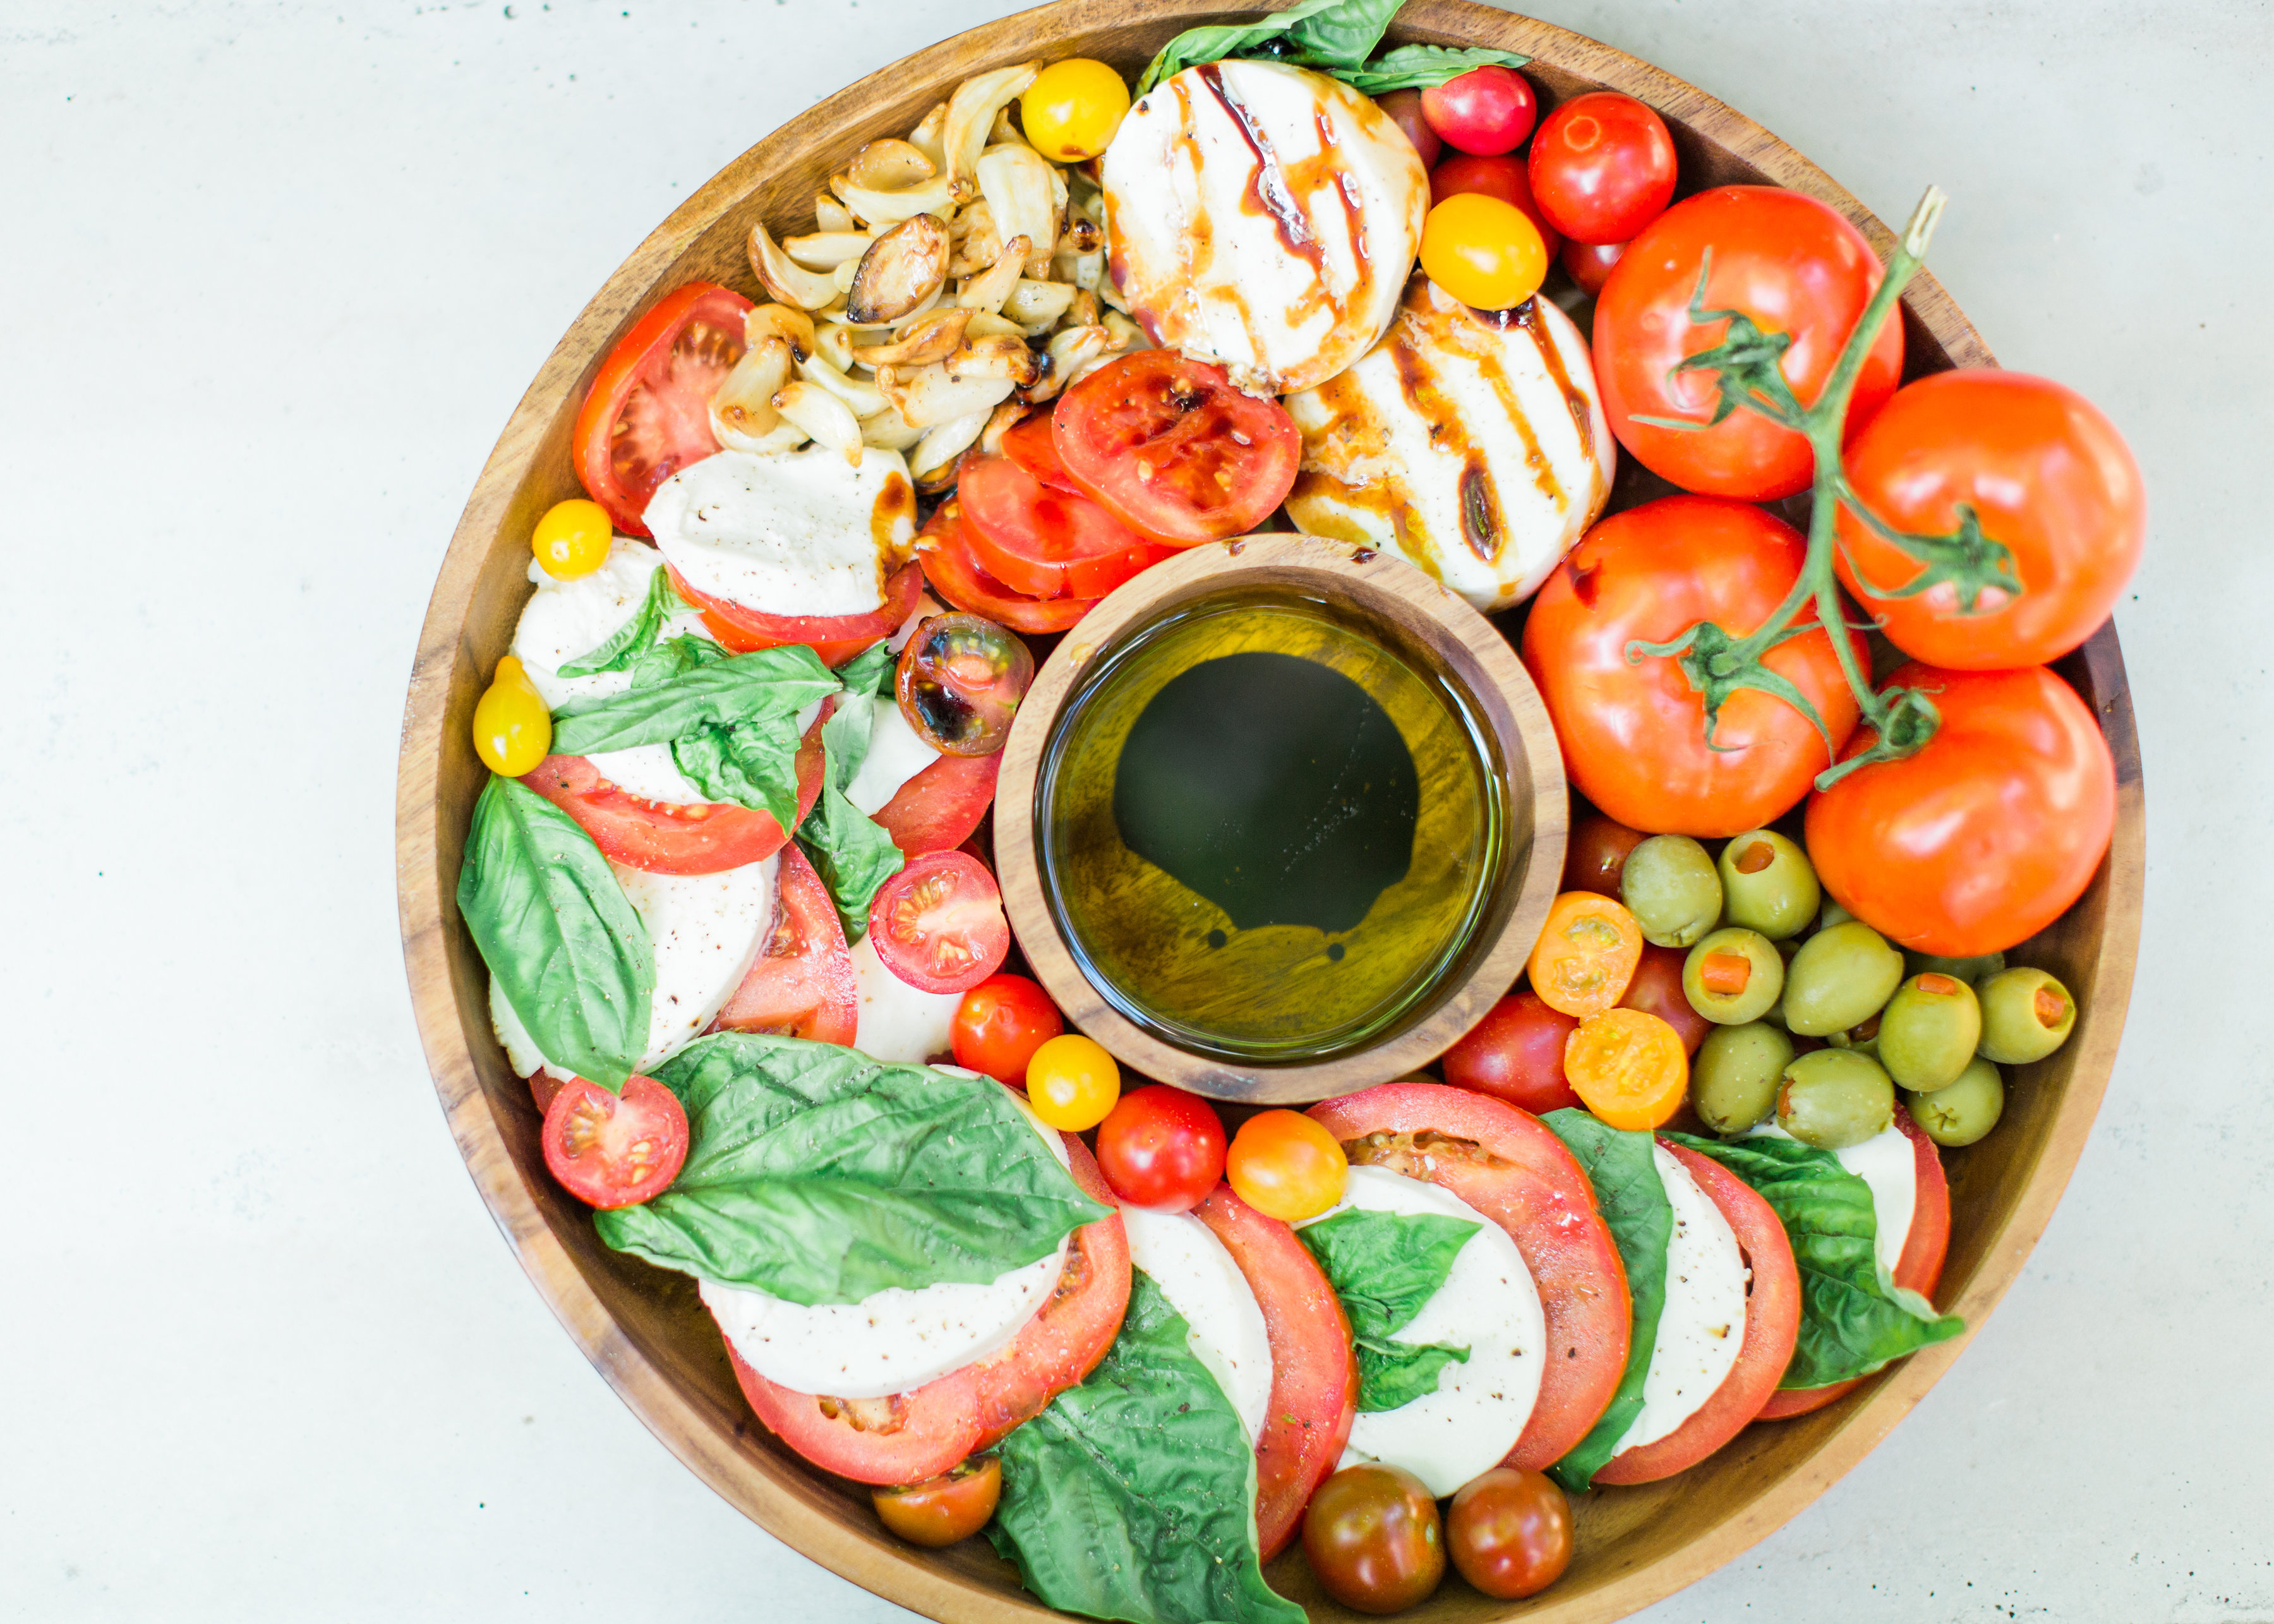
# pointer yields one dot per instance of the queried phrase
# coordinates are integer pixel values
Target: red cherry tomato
(1162, 1147)
(1590, 264)
(941, 1510)
(1595, 856)
(1373, 1538)
(1509, 1532)
(939, 923)
(802, 983)
(1404, 110)
(1487, 111)
(648, 412)
(1042, 542)
(1602, 167)
(836, 638)
(1494, 178)
(1516, 1054)
(1656, 989)
(614, 1150)
(1000, 1024)
(957, 574)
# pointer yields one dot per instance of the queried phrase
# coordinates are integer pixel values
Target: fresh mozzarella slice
(927, 606)
(789, 532)
(898, 1021)
(1470, 444)
(1224, 1322)
(1265, 217)
(1703, 1325)
(1888, 1164)
(1488, 1304)
(896, 754)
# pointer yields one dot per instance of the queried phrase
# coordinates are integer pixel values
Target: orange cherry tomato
(1629, 1067)
(1587, 955)
(941, 1510)
(1286, 1166)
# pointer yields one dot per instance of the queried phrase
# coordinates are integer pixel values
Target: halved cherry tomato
(1516, 1054)
(1000, 1024)
(614, 1150)
(959, 680)
(937, 810)
(939, 923)
(1602, 167)
(1169, 447)
(800, 985)
(941, 1510)
(648, 412)
(1162, 1148)
(1656, 989)
(1586, 954)
(1629, 1068)
(1042, 542)
(1030, 444)
(1502, 177)
(957, 574)
(836, 638)
(1286, 1166)
(1595, 856)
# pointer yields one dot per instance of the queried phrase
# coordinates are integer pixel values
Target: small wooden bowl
(645, 1331)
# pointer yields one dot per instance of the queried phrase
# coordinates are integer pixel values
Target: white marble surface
(272, 276)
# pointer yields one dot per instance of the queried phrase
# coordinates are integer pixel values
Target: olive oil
(1265, 831)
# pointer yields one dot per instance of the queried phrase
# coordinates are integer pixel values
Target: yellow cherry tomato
(1483, 252)
(572, 539)
(1072, 110)
(1629, 1067)
(1286, 1166)
(513, 730)
(1073, 1083)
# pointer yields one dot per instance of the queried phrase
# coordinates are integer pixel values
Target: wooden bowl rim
(783, 1500)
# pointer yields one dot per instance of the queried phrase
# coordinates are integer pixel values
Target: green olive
(1928, 1031)
(1733, 976)
(1670, 886)
(1785, 949)
(2026, 1015)
(1862, 1037)
(1965, 1110)
(1838, 977)
(1768, 885)
(1832, 914)
(1971, 971)
(1734, 1075)
(1832, 1098)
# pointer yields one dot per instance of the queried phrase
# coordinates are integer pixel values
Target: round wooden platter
(644, 1328)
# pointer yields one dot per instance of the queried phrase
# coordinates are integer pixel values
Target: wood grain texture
(644, 1330)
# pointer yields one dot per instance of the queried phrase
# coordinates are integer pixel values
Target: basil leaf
(1385, 1266)
(821, 1176)
(673, 656)
(1329, 36)
(1133, 1496)
(1341, 35)
(1221, 40)
(569, 954)
(752, 765)
(635, 634)
(1853, 1321)
(1632, 1198)
(871, 671)
(739, 690)
(849, 851)
(1415, 67)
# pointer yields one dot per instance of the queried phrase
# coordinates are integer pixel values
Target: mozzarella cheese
(896, 754)
(789, 532)
(1264, 217)
(898, 1021)
(1702, 1326)
(1888, 1165)
(1470, 444)
(1224, 1323)
(1488, 1304)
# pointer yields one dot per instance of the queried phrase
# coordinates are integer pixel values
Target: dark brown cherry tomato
(960, 683)
(1656, 989)
(1509, 1532)
(941, 1510)
(1374, 1539)
(1516, 1054)
(1596, 855)
(1404, 110)
(1162, 1148)
(1591, 264)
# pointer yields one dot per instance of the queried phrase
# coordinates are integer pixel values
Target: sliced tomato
(614, 1150)
(662, 838)
(835, 637)
(800, 985)
(1045, 542)
(957, 574)
(938, 809)
(1314, 1375)
(648, 412)
(1510, 1166)
(912, 1436)
(939, 923)
(1033, 448)
(543, 1088)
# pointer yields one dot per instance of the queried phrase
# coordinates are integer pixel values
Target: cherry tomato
(1286, 1166)
(1656, 989)
(802, 983)
(614, 1150)
(957, 574)
(1516, 1054)
(1073, 1083)
(1373, 1539)
(1586, 954)
(2042, 470)
(1404, 110)
(836, 638)
(1070, 111)
(648, 412)
(1000, 1024)
(1162, 1147)
(960, 683)
(572, 539)
(1987, 835)
(1485, 252)
(941, 1510)
(1795, 267)
(1043, 541)
(939, 923)
(1596, 854)
(513, 728)
(1590, 264)
(1628, 1068)
(1494, 177)
(1509, 1532)
(1485, 111)
(1602, 167)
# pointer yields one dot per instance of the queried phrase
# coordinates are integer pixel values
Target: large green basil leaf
(634, 636)
(1416, 67)
(1333, 37)
(871, 671)
(821, 1176)
(569, 952)
(1133, 1496)
(1632, 1198)
(848, 850)
(1385, 1266)
(744, 689)
(1340, 35)
(750, 763)
(1221, 40)
(1853, 1319)
(673, 656)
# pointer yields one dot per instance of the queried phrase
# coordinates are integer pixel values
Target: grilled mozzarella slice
(1224, 1323)
(896, 1021)
(1472, 444)
(1703, 1325)
(1264, 217)
(789, 532)
(1888, 1165)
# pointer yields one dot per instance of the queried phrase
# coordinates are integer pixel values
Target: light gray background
(272, 277)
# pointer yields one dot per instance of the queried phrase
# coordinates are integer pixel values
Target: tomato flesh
(939, 923)
(942, 1510)
(938, 809)
(801, 984)
(1045, 542)
(836, 638)
(648, 412)
(957, 574)
(1030, 444)
(614, 1150)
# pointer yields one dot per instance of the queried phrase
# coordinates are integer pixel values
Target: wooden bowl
(644, 1330)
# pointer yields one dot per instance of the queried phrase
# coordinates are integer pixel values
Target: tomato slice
(938, 809)
(800, 985)
(1173, 451)
(1314, 1376)
(957, 574)
(614, 1150)
(1030, 444)
(1042, 542)
(1510, 1166)
(648, 412)
(707, 837)
(939, 923)
(912, 1436)
(1772, 1327)
(835, 637)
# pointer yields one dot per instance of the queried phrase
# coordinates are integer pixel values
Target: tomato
(1373, 1539)
(1042, 542)
(1516, 1054)
(1772, 1327)
(1070, 111)
(1602, 167)
(1987, 835)
(939, 923)
(800, 985)
(1510, 1166)
(1169, 447)
(1595, 856)
(1795, 267)
(912, 1436)
(1586, 954)
(1634, 735)
(1629, 1067)
(1000, 1024)
(1509, 1532)
(1313, 1372)
(513, 727)
(1485, 252)
(614, 1150)
(1404, 110)
(937, 810)
(959, 680)
(1487, 111)
(2044, 473)
(648, 412)
(1656, 989)
(941, 1510)
(1494, 177)
(836, 638)
(1161, 1148)
(1073, 1083)
(956, 575)
(1028, 443)
(1286, 1166)
(572, 539)
(1590, 264)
